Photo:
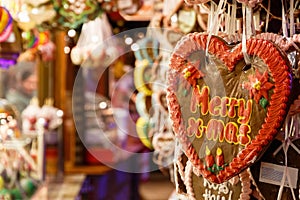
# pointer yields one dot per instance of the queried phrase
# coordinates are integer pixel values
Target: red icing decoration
(236, 132)
(220, 158)
(258, 86)
(209, 159)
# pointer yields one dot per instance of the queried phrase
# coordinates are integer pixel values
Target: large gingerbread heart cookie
(225, 112)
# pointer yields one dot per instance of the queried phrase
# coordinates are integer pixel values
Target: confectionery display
(21, 170)
(213, 120)
(238, 187)
(206, 92)
(200, 79)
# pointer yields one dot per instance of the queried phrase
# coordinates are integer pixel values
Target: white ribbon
(232, 27)
(247, 31)
(214, 22)
(268, 16)
(286, 143)
(284, 26)
(292, 27)
(230, 19)
(288, 126)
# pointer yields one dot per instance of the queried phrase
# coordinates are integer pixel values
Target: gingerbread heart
(225, 112)
(188, 181)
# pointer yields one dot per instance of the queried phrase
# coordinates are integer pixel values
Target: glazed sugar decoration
(221, 189)
(290, 45)
(188, 180)
(225, 114)
(283, 42)
(246, 184)
(197, 187)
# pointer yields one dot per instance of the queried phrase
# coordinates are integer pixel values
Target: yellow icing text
(236, 131)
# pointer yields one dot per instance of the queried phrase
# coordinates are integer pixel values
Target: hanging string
(292, 24)
(284, 26)
(292, 27)
(245, 35)
(215, 22)
(227, 20)
(288, 126)
(232, 27)
(223, 19)
(210, 16)
(268, 16)
(288, 132)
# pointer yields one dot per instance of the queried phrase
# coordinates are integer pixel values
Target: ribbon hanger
(214, 21)
(292, 24)
(247, 33)
(289, 123)
(268, 16)
(289, 131)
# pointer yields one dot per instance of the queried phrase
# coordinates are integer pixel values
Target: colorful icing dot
(263, 102)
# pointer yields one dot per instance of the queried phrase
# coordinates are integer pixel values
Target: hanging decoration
(230, 84)
(30, 15)
(239, 187)
(196, 65)
(35, 43)
(145, 55)
(211, 126)
(20, 170)
(10, 119)
(6, 24)
(72, 14)
(48, 117)
(91, 49)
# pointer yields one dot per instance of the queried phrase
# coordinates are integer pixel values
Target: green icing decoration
(215, 168)
(263, 102)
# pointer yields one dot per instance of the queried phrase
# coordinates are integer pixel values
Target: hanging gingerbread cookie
(225, 112)
(191, 184)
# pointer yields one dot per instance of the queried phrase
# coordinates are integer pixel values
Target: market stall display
(21, 163)
(213, 90)
(199, 125)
